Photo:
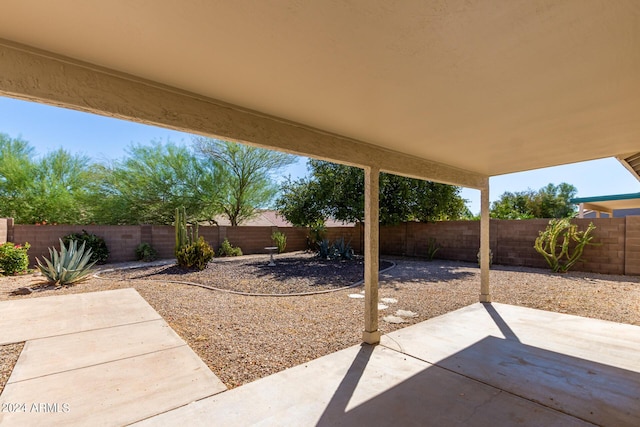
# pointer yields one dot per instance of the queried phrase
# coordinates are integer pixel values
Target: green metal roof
(605, 198)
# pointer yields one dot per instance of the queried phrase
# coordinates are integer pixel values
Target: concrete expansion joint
(96, 364)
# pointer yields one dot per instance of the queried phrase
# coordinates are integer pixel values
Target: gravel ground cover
(243, 338)
(298, 273)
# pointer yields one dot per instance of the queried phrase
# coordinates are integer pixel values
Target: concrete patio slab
(479, 366)
(590, 339)
(103, 358)
(27, 319)
(46, 356)
(584, 367)
(364, 385)
(114, 393)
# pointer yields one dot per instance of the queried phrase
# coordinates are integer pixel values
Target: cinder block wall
(617, 252)
(632, 245)
(121, 240)
(6, 229)
(512, 242)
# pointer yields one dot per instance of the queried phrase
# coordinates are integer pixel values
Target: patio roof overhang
(486, 88)
(452, 91)
(608, 203)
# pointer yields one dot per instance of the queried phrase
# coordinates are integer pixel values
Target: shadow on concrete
(493, 382)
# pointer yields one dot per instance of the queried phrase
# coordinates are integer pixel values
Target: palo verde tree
(16, 176)
(247, 175)
(46, 189)
(147, 186)
(337, 191)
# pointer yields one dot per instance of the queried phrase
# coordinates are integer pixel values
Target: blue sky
(101, 138)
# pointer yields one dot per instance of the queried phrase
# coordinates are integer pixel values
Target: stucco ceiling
(491, 87)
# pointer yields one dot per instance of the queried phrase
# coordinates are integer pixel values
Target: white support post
(371, 334)
(485, 295)
(581, 210)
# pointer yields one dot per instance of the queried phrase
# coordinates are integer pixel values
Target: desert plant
(324, 248)
(280, 240)
(71, 265)
(338, 250)
(561, 244)
(317, 232)
(196, 254)
(226, 249)
(99, 250)
(13, 258)
(432, 248)
(185, 235)
(341, 249)
(146, 253)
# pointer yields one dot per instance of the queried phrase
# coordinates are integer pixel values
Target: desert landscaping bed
(243, 338)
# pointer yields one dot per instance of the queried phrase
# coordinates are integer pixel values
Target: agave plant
(70, 266)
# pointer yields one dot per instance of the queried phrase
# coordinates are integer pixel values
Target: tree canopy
(337, 191)
(246, 175)
(551, 201)
(209, 178)
(147, 185)
(47, 189)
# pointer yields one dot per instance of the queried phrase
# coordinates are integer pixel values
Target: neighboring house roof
(618, 213)
(609, 203)
(270, 218)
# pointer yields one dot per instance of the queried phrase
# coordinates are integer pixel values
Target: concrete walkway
(103, 358)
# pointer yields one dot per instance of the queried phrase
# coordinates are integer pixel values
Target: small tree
(246, 175)
(561, 244)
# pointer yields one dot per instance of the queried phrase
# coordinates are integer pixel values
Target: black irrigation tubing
(247, 294)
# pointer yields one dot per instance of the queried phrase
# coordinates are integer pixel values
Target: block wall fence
(617, 252)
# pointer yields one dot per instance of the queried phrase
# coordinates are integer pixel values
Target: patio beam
(371, 334)
(485, 225)
(35, 75)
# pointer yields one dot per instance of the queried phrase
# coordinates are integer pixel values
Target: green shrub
(280, 240)
(226, 249)
(146, 253)
(432, 248)
(13, 258)
(196, 254)
(324, 249)
(561, 244)
(490, 258)
(71, 265)
(99, 250)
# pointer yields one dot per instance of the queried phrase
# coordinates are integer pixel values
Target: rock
(382, 307)
(22, 291)
(356, 296)
(394, 319)
(389, 300)
(406, 313)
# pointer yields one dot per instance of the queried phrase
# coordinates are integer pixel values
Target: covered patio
(482, 365)
(453, 92)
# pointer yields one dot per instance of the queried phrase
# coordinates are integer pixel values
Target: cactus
(190, 250)
(548, 240)
(185, 235)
